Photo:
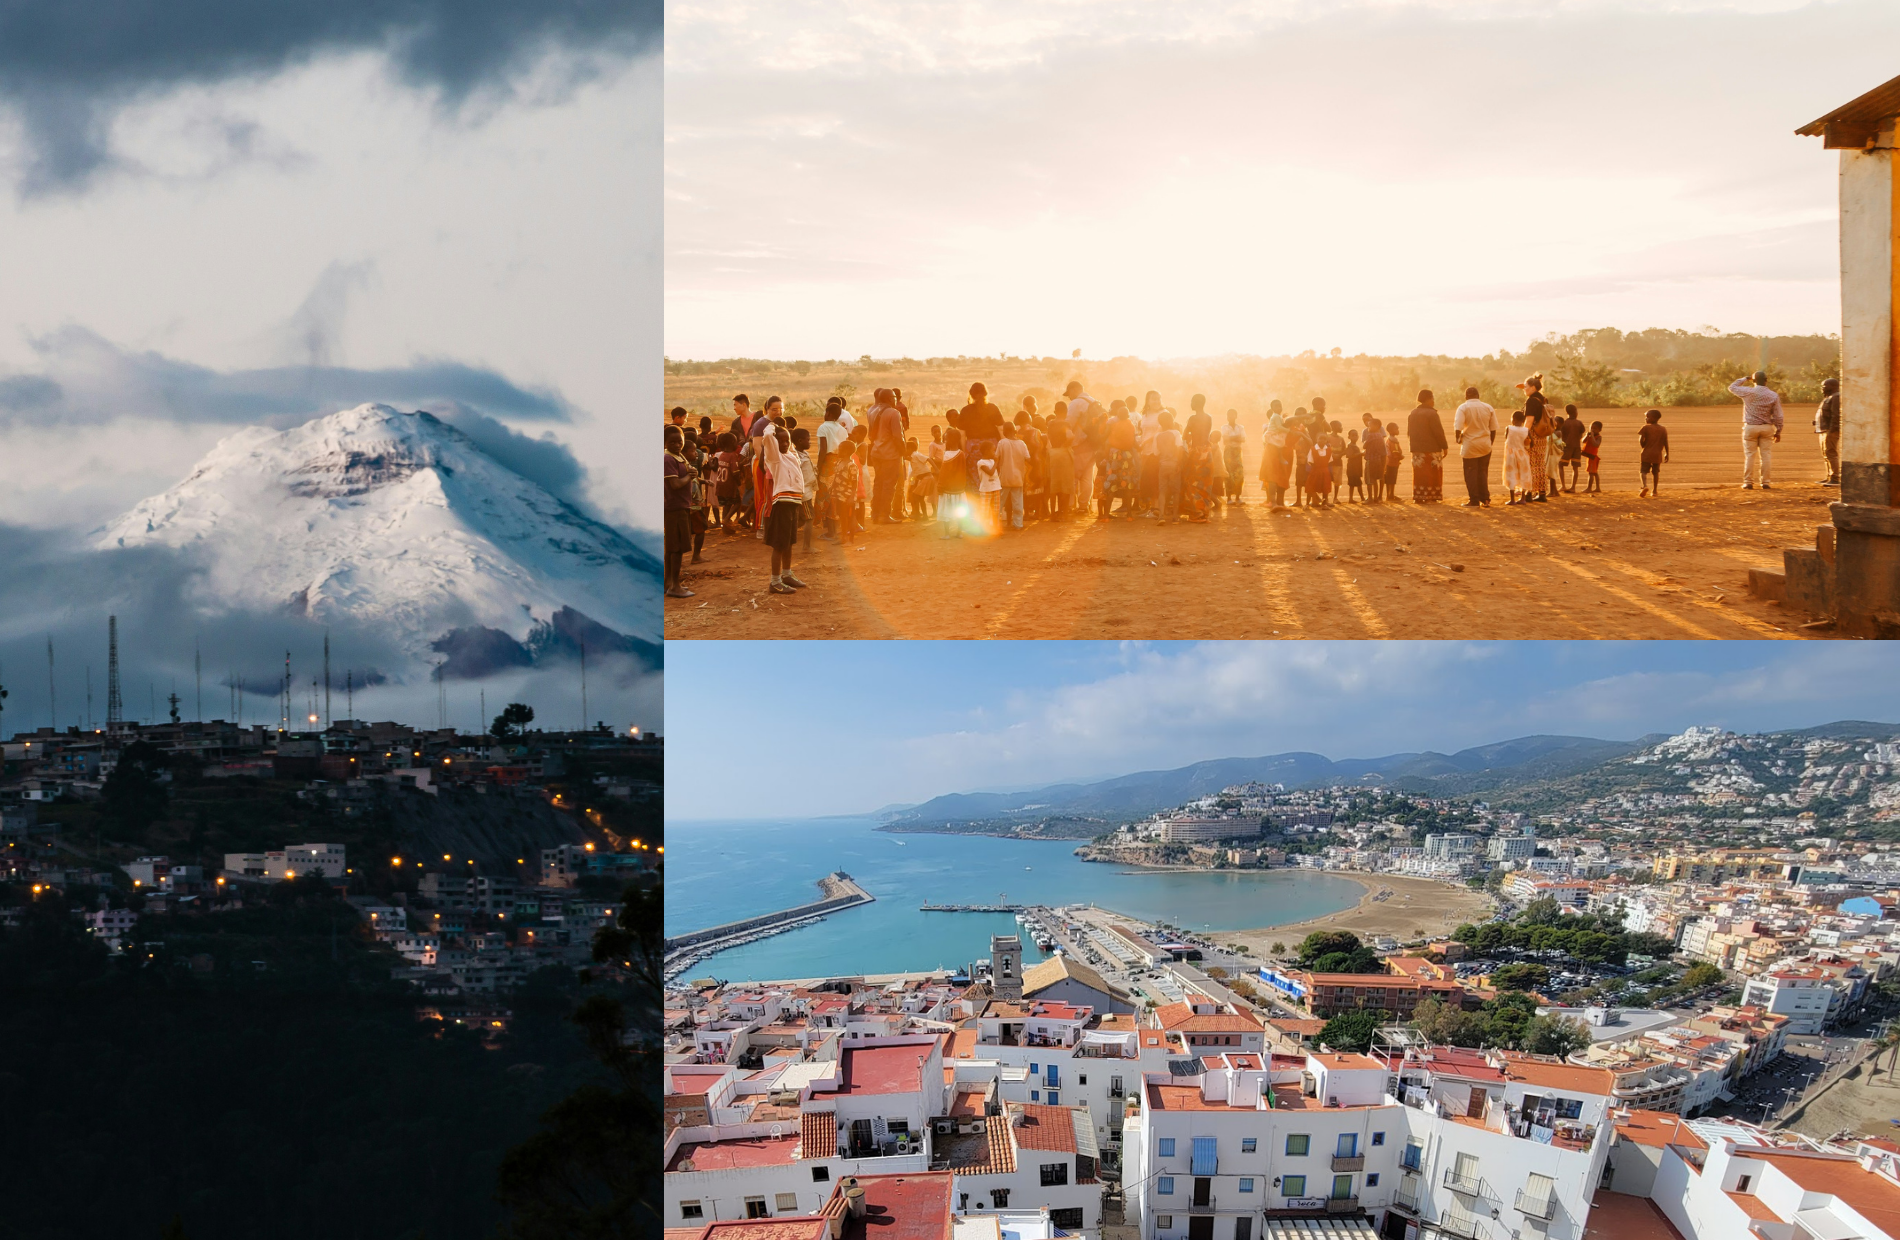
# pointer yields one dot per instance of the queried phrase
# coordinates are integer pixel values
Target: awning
(1084, 1123)
(1357, 1228)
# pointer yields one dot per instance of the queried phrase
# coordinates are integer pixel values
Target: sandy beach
(1409, 908)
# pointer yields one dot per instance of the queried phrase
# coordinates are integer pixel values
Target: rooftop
(1620, 1216)
(1657, 1129)
(881, 1070)
(915, 1206)
(1874, 1197)
(1044, 1127)
(735, 1154)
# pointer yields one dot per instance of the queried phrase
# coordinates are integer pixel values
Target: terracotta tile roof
(1057, 968)
(990, 1152)
(1043, 1127)
(818, 1135)
(1182, 1018)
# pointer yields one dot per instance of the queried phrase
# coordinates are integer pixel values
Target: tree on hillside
(1352, 1031)
(1521, 977)
(513, 718)
(593, 1169)
(133, 797)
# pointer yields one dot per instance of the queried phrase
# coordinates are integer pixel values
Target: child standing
(728, 482)
(953, 481)
(1168, 456)
(1336, 454)
(923, 482)
(801, 444)
(1299, 447)
(989, 486)
(1355, 468)
(1061, 473)
(1592, 446)
(1517, 459)
(1375, 459)
(1319, 476)
(1394, 457)
(1655, 442)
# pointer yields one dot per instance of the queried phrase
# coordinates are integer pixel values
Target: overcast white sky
(931, 177)
(208, 223)
(334, 214)
(906, 721)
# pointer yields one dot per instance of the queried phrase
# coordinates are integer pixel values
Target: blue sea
(719, 871)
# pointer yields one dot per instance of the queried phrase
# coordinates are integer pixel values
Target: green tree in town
(1352, 1031)
(1699, 975)
(1551, 1034)
(1520, 977)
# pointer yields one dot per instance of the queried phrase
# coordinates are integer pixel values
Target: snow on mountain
(400, 521)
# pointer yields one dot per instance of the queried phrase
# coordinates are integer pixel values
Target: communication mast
(115, 701)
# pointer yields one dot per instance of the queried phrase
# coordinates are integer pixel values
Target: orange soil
(1609, 566)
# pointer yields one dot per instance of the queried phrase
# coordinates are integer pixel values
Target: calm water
(719, 871)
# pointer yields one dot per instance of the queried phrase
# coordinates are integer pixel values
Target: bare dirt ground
(1405, 908)
(1609, 566)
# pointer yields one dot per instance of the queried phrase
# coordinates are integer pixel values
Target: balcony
(1544, 1207)
(1349, 1162)
(1117, 1091)
(1469, 1185)
(1461, 1225)
(1342, 1205)
(1411, 1159)
(1406, 1199)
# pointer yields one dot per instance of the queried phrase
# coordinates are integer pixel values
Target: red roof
(881, 1070)
(1181, 1017)
(809, 1227)
(696, 1082)
(735, 1154)
(915, 1206)
(1045, 1128)
(1872, 1196)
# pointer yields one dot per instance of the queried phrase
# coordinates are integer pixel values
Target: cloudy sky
(931, 177)
(209, 220)
(906, 721)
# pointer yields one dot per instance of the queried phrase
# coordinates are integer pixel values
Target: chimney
(853, 1197)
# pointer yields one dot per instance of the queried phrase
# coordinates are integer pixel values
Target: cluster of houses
(1045, 1102)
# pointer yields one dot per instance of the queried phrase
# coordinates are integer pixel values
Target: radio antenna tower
(583, 686)
(283, 720)
(349, 693)
(52, 698)
(115, 702)
(326, 679)
(198, 672)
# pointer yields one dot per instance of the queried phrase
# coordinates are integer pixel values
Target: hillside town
(466, 924)
(1672, 1025)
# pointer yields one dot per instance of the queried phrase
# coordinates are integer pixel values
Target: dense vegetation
(1595, 367)
(1595, 938)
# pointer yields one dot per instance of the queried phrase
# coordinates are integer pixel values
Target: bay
(719, 871)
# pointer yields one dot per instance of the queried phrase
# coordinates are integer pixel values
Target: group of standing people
(983, 471)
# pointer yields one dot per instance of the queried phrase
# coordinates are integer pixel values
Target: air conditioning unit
(944, 1127)
(688, 1166)
(976, 1125)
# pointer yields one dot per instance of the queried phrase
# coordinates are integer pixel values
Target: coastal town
(1655, 1005)
(463, 863)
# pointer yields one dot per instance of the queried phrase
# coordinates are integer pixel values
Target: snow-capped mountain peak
(397, 520)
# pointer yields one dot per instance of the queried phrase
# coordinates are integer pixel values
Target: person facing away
(1654, 441)
(1012, 474)
(1761, 426)
(1570, 431)
(1355, 468)
(1167, 457)
(1592, 451)
(1474, 425)
(1827, 425)
(1375, 460)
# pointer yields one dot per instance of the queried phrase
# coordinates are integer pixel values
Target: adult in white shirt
(1475, 426)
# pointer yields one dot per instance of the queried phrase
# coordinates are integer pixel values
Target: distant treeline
(1595, 368)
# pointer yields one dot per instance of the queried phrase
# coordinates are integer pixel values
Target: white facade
(1805, 1000)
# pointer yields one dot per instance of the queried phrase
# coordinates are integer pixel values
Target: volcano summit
(398, 520)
